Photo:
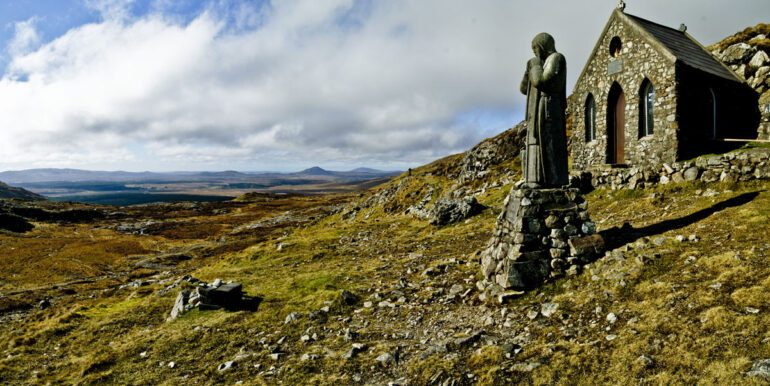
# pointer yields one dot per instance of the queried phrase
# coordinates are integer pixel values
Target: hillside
(363, 288)
(650, 310)
(18, 193)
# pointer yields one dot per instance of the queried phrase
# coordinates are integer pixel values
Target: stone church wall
(640, 60)
(730, 167)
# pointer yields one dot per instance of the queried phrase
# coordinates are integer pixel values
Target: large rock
(739, 52)
(759, 59)
(691, 173)
(524, 274)
(448, 210)
(226, 295)
(587, 246)
(179, 304)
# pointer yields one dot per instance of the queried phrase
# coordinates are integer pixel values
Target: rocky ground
(360, 290)
(383, 287)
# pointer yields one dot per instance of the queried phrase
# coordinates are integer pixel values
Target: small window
(615, 46)
(646, 109)
(590, 117)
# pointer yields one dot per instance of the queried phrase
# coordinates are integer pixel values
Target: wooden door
(620, 126)
(616, 123)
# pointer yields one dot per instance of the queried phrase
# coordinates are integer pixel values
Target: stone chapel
(650, 94)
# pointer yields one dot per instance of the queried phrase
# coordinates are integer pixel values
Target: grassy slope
(684, 304)
(665, 307)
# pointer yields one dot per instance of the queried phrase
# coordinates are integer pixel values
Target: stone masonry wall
(730, 167)
(640, 61)
(539, 234)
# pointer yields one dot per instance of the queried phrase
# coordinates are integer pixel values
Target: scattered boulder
(45, 303)
(355, 349)
(292, 317)
(448, 210)
(226, 366)
(525, 367)
(225, 295)
(348, 298)
(760, 369)
(548, 309)
(386, 359)
(646, 361)
(179, 304)
(739, 52)
(466, 341)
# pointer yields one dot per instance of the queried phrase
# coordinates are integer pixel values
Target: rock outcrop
(505, 146)
(450, 210)
(747, 53)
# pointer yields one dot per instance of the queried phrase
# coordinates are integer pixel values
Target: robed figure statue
(544, 83)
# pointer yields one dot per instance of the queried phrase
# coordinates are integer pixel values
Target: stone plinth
(540, 233)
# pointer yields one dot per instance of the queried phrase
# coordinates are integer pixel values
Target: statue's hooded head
(543, 45)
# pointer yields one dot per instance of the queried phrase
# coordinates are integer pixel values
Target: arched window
(615, 45)
(590, 118)
(646, 108)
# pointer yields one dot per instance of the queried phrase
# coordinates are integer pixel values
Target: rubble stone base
(541, 233)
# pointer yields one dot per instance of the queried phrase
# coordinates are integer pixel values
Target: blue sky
(224, 84)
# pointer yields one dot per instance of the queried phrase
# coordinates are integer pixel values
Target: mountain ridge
(81, 175)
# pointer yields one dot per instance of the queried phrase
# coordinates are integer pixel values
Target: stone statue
(545, 153)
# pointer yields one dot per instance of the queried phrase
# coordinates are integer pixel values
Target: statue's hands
(535, 62)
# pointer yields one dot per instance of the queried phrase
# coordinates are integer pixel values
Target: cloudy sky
(284, 85)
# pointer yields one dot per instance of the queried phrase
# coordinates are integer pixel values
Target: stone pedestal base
(540, 233)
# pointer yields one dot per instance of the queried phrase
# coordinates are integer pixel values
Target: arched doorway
(616, 124)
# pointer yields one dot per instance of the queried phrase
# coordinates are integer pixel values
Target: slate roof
(685, 48)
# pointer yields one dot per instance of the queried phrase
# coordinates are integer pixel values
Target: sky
(165, 85)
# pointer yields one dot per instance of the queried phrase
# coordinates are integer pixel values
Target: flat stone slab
(226, 295)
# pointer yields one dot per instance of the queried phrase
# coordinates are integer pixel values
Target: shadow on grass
(617, 237)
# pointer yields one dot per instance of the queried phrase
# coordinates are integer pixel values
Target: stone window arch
(590, 118)
(646, 108)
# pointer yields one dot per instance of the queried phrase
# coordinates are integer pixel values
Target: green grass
(660, 307)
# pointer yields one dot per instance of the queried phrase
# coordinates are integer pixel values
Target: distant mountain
(315, 171)
(19, 193)
(229, 174)
(369, 170)
(74, 175)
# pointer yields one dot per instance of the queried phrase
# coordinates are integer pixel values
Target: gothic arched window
(646, 109)
(590, 118)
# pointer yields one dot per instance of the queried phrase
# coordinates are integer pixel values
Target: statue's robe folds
(545, 158)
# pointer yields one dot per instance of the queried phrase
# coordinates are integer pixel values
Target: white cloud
(111, 9)
(25, 37)
(333, 82)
